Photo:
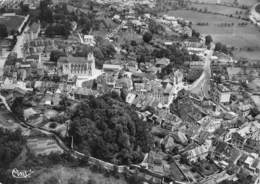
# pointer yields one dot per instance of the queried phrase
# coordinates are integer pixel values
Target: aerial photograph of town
(129, 91)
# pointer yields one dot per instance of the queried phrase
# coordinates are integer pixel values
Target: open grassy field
(240, 2)
(12, 22)
(220, 9)
(63, 174)
(238, 36)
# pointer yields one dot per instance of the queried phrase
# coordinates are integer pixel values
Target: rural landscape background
(225, 24)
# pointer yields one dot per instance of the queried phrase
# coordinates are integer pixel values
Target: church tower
(91, 63)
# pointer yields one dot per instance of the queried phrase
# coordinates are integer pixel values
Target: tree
(3, 31)
(17, 107)
(109, 129)
(52, 180)
(195, 34)
(254, 112)
(147, 37)
(56, 54)
(193, 75)
(87, 25)
(175, 150)
(24, 8)
(58, 29)
(45, 12)
(11, 144)
(135, 179)
(221, 48)
(6, 177)
(91, 181)
(195, 57)
(208, 40)
(108, 50)
(100, 58)
(154, 27)
(184, 160)
(76, 180)
(133, 43)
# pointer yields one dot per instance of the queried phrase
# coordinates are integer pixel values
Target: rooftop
(73, 60)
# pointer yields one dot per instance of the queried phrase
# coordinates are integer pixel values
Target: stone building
(81, 67)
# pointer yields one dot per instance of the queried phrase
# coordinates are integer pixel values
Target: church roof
(74, 60)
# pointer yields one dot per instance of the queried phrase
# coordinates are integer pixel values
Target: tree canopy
(11, 144)
(56, 54)
(193, 75)
(45, 12)
(208, 39)
(221, 47)
(3, 31)
(109, 129)
(147, 37)
(58, 29)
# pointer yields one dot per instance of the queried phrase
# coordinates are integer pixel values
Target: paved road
(77, 154)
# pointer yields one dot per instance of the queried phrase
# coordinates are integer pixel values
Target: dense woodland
(109, 129)
(11, 145)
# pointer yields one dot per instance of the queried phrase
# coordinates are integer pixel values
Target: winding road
(78, 155)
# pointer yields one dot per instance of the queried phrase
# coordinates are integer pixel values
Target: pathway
(201, 86)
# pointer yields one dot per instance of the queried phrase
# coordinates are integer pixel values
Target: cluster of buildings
(164, 5)
(10, 4)
(131, 3)
(178, 25)
(198, 139)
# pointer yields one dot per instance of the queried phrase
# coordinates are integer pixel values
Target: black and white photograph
(129, 91)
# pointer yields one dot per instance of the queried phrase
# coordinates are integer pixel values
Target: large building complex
(77, 66)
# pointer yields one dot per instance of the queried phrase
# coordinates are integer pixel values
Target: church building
(81, 67)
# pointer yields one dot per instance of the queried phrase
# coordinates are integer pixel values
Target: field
(63, 174)
(43, 146)
(241, 37)
(240, 2)
(220, 9)
(12, 22)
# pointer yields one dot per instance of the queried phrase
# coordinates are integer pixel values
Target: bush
(91, 181)
(208, 40)
(57, 30)
(52, 180)
(134, 179)
(53, 125)
(133, 43)
(147, 37)
(193, 75)
(56, 54)
(3, 31)
(76, 180)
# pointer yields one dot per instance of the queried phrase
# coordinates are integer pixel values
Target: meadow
(63, 174)
(220, 9)
(240, 2)
(240, 37)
